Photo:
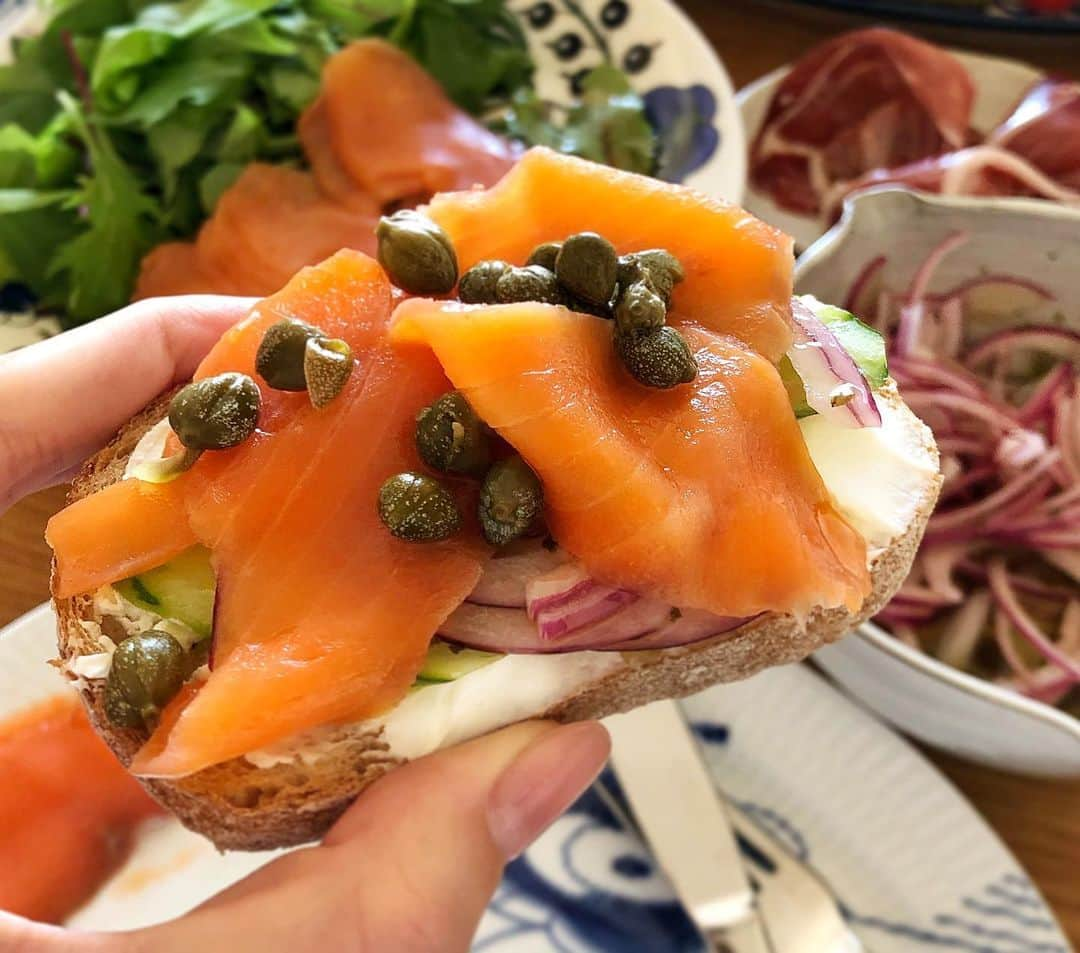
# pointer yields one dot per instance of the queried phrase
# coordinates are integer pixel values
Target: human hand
(411, 866)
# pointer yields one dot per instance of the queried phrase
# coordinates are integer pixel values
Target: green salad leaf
(607, 125)
(121, 225)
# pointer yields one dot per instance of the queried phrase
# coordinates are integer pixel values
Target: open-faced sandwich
(569, 446)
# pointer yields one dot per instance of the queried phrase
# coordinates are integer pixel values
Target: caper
(477, 285)
(582, 306)
(639, 308)
(147, 671)
(216, 413)
(661, 269)
(452, 438)
(587, 266)
(511, 500)
(659, 358)
(545, 255)
(327, 365)
(416, 253)
(418, 508)
(532, 283)
(280, 358)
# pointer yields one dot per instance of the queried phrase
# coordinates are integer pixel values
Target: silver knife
(683, 818)
(799, 908)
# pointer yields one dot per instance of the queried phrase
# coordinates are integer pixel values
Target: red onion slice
(1005, 596)
(644, 625)
(1061, 343)
(835, 387)
(505, 576)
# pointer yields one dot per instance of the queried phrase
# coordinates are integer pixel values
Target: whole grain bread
(243, 807)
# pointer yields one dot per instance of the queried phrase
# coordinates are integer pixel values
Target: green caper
(659, 358)
(581, 306)
(532, 283)
(147, 671)
(661, 269)
(327, 365)
(545, 255)
(511, 500)
(416, 253)
(587, 266)
(477, 285)
(452, 438)
(418, 508)
(216, 413)
(639, 308)
(280, 358)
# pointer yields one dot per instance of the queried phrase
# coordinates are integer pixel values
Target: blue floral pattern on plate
(683, 101)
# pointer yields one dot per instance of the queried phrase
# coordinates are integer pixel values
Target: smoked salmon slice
(738, 269)
(89, 551)
(395, 133)
(304, 633)
(267, 226)
(704, 495)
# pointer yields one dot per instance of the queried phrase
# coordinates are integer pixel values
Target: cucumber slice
(862, 342)
(445, 663)
(182, 589)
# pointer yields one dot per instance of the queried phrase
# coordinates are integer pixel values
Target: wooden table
(1040, 820)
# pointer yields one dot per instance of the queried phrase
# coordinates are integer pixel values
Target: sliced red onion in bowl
(835, 386)
(998, 566)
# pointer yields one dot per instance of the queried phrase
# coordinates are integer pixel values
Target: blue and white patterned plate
(914, 866)
(688, 95)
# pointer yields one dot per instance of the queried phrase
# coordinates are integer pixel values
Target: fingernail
(543, 781)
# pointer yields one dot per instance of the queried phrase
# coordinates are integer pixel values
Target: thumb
(412, 864)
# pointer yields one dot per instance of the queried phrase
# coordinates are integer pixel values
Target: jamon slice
(865, 100)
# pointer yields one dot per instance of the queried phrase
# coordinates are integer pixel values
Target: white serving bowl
(928, 699)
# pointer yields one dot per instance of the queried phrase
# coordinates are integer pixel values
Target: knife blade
(683, 818)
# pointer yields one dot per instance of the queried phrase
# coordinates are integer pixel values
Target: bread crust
(239, 806)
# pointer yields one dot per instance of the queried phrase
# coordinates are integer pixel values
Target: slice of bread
(240, 806)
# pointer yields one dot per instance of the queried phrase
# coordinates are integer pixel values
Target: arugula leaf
(43, 161)
(196, 82)
(474, 48)
(216, 181)
(608, 125)
(27, 95)
(176, 140)
(121, 219)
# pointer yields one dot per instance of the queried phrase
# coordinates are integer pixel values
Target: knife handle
(745, 937)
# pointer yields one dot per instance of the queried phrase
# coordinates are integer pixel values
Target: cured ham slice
(1044, 129)
(866, 100)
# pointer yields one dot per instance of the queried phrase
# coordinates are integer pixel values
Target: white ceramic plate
(926, 698)
(688, 94)
(913, 865)
(999, 84)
